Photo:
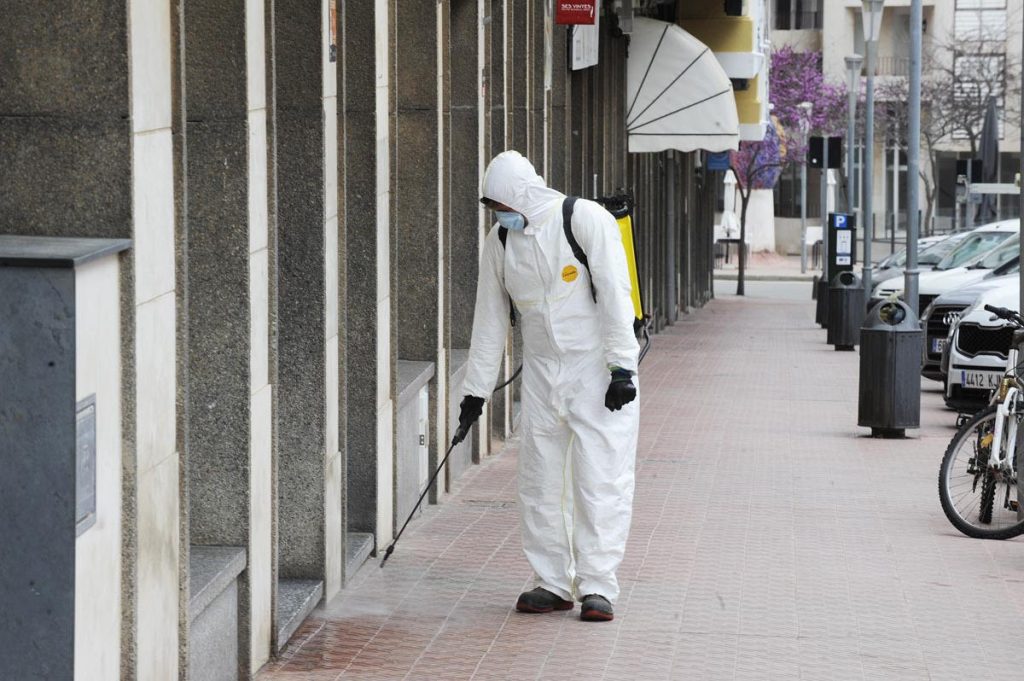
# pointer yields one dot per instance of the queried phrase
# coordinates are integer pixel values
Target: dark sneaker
(541, 600)
(596, 608)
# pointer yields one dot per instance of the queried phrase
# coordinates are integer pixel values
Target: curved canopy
(677, 93)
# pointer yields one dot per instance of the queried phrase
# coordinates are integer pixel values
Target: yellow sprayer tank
(626, 228)
(621, 207)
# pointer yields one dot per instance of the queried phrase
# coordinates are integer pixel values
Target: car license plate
(980, 380)
(938, 345)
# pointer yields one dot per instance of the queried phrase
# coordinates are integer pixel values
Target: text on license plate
(982, 380)
(938, 345)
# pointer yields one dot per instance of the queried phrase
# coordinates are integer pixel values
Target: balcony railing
(894, 66)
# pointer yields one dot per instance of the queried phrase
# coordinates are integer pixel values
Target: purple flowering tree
(796, 77)
(756, 165)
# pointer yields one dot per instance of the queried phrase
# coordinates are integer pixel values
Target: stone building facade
(299, 180)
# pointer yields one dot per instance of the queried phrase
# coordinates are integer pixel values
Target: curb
(764, 277)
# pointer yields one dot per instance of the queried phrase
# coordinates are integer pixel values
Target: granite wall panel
(359, 220)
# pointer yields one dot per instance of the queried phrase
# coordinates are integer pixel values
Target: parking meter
(842, 244)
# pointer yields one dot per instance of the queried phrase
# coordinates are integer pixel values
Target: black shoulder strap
(577, 251)
(503, 237)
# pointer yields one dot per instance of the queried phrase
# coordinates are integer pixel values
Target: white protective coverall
(576, 461)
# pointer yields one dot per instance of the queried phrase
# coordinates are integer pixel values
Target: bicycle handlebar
(1005, 313)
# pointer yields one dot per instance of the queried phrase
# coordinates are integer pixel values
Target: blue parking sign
(840, 221)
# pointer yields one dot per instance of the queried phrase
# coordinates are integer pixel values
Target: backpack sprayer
(621, 208)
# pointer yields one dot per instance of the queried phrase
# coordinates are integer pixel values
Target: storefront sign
(718, 161)
(575, 11)
(585, 43)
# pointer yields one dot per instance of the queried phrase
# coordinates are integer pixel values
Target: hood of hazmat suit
(576, 458)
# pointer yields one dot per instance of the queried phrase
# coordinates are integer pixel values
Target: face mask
(510, 219)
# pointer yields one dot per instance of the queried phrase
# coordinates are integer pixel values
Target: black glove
(621, 390)
(471, 408)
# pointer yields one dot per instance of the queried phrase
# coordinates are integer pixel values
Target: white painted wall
(482, 9)
(441, 424)
(261, 501)
(98, 550)
(157, 574)
(761, 220)
(333, 470)
(385, 402)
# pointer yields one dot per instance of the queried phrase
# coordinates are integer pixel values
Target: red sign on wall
(575, 11)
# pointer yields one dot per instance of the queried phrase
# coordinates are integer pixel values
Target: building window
(980, 20)
(798, 15)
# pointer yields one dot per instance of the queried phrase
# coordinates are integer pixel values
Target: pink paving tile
(769, 541)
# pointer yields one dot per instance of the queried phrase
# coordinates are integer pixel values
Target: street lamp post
(853, 66)
(805, 127)
(913, 157)
(872, 16)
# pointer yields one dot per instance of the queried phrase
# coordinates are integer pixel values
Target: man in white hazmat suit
(579, 410)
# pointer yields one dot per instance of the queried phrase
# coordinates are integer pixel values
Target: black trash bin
(890, 370)
(821, 309)
(845, 311)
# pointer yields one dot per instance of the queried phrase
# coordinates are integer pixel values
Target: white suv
(978, 346)
(938, 317)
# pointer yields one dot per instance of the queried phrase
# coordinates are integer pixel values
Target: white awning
(678, 95)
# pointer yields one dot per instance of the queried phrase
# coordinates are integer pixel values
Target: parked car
(939, 317)
(930, 250)
(953, 271)
(978, 345)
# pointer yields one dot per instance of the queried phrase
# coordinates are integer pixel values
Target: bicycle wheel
(979, 502)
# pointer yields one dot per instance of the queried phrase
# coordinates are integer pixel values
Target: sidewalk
(770, 540)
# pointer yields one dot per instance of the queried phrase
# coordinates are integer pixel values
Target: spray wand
(460, 435)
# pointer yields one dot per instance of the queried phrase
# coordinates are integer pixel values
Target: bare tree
(959, 74)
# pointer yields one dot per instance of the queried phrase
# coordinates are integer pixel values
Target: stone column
(558, 112)
(333, 484)
(302, 297)
(367, 193)
(462, 226)
(152, 483)
(225, 339)
(577, 166)
(499, 91)
(535, 91)
(518, 76)
(418, 267)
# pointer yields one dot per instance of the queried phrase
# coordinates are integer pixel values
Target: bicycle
(978, 475)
